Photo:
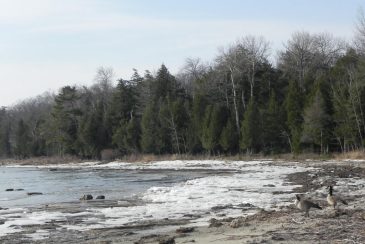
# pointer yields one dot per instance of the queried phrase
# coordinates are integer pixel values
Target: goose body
(333, 200)
(305, 205)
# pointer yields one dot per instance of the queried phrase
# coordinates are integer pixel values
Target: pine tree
(294, 115)
(229, 138)
(119, 137)
(176, 119)
(93, 133)
(165, 127)
(5, 147)
(127, 137)
(250, 129)
(345, 130)
(38, 143)
(65, 123)
(150, 139)
(272, 126)
(214, 121)
(194, 137)
(132, 136)
(316, 123)
(164, 85)
(22, 140)
(124, 103)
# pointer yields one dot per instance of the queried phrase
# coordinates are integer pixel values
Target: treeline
(312, 100)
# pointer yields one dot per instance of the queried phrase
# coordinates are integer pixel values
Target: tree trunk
(235, 102)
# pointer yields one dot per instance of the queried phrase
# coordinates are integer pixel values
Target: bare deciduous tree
(298, 55)
(327, 50)
(229, 60)
(310, 53)
(254, 50)
(103, 86)
(360, 32)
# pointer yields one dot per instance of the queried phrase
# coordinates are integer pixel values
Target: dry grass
(358, 154)
(170, 157)
(42, 160)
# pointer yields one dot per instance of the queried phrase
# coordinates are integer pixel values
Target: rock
(9, 189)
(245, 205)
(86, 197)
(52, 169)
(229, 219)
(19, 189)
(269, 185)
(153, 238)
(167, 240)
(277, 238)
(2, 221)
(236, 223)
(215, 223)
(100, 197)
(34, 193)
(220, 207)
(185, 230)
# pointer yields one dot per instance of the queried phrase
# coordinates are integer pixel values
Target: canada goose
(305, 205)
(332, 200)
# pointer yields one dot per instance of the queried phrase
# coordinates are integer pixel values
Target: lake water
(66, 185)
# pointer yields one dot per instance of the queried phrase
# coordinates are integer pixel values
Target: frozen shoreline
(262, 184)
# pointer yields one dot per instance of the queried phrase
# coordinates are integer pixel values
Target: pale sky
(46, 44)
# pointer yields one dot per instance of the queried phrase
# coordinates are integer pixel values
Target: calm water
(66, 185)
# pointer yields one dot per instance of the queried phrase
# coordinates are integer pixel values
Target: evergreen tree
(164, 85)
(345, 130)
(93, 134)
(315, 125)
(273, 126)
(229, 138)
(38, 143)
(194, 137)
(174, 123)
(22, 140)
(127, 137)
(65, 117)
(132, 135)
(214, 121)
(5, 148)
(150, 139)
(347, 102)
(123, 103)
(294, 115)
(165, 126)
(119, 136)
(250, 129)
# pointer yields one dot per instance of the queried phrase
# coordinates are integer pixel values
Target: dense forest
(311, 99)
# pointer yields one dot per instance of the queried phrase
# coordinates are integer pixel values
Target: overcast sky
(46, 44)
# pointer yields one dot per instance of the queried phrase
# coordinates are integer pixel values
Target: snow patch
(204, 196)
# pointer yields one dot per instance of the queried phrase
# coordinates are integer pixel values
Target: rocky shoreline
(341, 225)
(285, 225)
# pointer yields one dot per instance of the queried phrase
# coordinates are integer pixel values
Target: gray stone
(86, 197)
(34, 193)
